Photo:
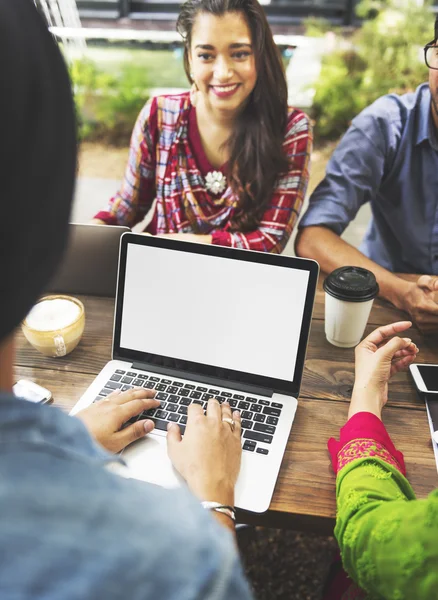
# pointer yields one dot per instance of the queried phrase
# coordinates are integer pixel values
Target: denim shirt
(72, 529)
(388, 157)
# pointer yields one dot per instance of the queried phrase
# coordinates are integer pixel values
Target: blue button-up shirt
(70, 529)
(388, 157)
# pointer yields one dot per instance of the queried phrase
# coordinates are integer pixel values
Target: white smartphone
(28, 390)
(425, 378)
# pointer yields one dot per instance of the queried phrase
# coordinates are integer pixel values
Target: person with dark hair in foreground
(389, 158)
(70, 528)
(227, 163)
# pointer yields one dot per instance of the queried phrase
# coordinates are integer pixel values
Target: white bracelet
(221, 508)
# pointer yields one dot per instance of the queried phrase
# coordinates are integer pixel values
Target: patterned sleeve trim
(363, 434)
(364, 448)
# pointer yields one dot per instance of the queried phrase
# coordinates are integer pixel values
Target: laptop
(90, 262)
(196, 321)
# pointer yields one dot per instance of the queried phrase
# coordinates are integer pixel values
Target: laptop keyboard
(259, 416)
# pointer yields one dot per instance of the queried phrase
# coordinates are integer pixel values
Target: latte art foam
(50, 315)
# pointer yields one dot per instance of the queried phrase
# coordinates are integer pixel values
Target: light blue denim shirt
(72, 530)
(388, 157)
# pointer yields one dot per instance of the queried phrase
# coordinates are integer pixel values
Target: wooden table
(304, 497)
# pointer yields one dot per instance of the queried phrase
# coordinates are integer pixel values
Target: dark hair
(37, 159)
(436, 28)
(256, 145)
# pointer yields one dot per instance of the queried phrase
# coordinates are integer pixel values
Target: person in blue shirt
(71, 528)
(389, 158)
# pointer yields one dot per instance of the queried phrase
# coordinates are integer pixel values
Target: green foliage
(385, 57)
(316, 26)
(107, 105)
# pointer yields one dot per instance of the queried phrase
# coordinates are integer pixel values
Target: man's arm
(331, 252)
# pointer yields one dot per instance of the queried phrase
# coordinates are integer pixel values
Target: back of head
(37, 158)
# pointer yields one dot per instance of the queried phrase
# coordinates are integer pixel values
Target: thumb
(173, 440)
(134, 432)
(394, 345)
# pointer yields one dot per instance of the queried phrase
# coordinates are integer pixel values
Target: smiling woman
(228, 162)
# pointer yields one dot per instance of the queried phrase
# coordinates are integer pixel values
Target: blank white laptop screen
(216, 311)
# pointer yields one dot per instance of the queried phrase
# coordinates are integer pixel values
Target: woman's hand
(379, 356)
(105, 419)
(209, 455)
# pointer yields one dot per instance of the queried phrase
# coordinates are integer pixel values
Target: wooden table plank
(328, 374)
(329, 371)
(304, 496)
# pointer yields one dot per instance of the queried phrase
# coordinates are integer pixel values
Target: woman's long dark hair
(256, 153)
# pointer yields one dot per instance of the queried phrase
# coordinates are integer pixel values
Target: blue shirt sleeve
(356, 168)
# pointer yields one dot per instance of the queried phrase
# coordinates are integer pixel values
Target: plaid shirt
(164, 166)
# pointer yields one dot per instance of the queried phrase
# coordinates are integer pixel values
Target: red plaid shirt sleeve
(287, 200)
(136, 195)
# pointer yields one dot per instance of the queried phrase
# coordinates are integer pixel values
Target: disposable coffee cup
(349, 296)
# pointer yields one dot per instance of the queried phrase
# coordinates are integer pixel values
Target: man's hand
(378, 357)
(209, 455)
(418, 300)
(105, 419)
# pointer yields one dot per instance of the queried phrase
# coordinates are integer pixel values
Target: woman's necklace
(215, 182)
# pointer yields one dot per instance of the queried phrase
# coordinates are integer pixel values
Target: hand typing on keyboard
(105, 419)
(208, 457)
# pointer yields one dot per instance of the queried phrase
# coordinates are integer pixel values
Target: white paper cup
(345, 321)
(349, 296)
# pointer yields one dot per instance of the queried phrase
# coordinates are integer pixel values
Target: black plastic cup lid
(352, 284)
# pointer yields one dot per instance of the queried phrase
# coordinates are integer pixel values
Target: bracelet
(221, 508)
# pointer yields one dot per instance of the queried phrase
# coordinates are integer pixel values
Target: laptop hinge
(226, 383)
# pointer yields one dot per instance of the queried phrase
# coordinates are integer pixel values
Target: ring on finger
(231, 422)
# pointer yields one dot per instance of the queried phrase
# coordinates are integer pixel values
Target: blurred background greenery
(112, 85)
(382, 56)
(385, 55)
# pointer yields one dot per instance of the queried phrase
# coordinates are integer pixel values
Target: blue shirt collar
(424, 124)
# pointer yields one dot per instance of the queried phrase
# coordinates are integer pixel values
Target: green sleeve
(388, 539)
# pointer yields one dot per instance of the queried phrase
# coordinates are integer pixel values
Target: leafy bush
(107, 105)
(385, 57)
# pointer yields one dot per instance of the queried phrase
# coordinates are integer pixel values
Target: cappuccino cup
(55, 325)
(349, 296)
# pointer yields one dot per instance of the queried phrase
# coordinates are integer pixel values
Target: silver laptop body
(90, 262)
(195, 321)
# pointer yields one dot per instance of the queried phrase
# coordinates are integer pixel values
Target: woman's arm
(387, 538)
(136, 195)
(287, 199)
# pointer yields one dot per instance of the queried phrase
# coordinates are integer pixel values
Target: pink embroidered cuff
(364, 435)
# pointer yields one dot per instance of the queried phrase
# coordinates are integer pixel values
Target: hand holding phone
(32, 392)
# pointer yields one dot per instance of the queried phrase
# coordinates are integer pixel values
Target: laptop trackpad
(147, 460)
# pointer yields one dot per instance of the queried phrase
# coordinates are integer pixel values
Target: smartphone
(28, 390)
(425, 378)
